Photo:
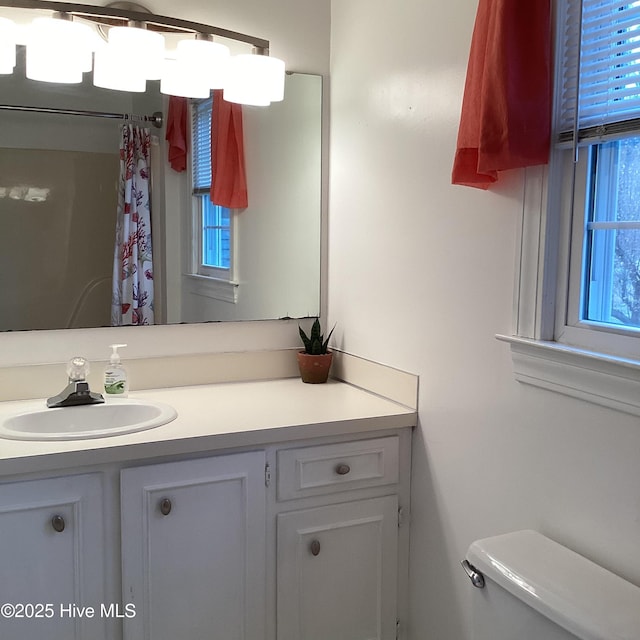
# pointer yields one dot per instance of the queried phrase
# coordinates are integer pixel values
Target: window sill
(601, 379)
(224, 290)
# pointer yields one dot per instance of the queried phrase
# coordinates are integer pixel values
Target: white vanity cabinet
(338, 563)
(267, 510)
(295, 540)
(193, 548)
(337, 571)
(52, 566)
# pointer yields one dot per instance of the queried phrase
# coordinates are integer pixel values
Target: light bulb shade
(7, 45)
(208, 60)
(58, 50)
(255, 80)
(113, 70)
(143, 49)
(181, 80)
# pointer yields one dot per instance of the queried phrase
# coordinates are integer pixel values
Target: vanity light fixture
(60, 49)
(7, 46)
(200, 65)
(36, 194)
(112, 70)
(176, 82)
(28, 194)
(17, 193)
(255, 80)
(132, 56)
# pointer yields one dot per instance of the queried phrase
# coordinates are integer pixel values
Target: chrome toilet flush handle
(477, 579)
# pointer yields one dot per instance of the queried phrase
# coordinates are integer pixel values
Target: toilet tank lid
(575, 593)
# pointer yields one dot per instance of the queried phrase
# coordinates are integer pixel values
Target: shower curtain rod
(155, 119)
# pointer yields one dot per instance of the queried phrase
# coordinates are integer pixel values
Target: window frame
(591, 370)
(569, 206)
(549, 349)
(198, 264)
(213, 282)
(571, 329)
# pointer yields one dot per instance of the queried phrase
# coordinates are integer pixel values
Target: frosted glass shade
(58, 50)
(255, 80)
(7, 45)
(204, 59)
(142, 49)
(178, 80)
(114, 70)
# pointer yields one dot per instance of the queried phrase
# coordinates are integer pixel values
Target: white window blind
(609, 64)
(201, 146)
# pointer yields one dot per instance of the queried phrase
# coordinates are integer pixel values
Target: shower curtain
(132, 301)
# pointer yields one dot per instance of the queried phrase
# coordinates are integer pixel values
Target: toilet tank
(536, 589)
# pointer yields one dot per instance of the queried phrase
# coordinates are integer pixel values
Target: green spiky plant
(314, 343)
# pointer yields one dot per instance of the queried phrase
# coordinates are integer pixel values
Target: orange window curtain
(506, 109)
(229, 182)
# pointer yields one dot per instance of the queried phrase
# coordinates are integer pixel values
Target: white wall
(421, 278)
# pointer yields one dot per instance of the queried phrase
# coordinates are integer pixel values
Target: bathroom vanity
(266, 510)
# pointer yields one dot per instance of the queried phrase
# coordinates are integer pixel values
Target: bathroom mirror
(58, 180)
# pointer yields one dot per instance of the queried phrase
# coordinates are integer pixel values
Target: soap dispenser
(116, 381)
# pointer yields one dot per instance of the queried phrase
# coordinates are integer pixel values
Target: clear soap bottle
(116, 380)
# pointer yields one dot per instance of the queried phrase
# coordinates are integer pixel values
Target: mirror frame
(29, 348)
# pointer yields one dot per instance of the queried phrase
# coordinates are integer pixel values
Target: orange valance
(176, 134)
(506, 110)
(229, 185)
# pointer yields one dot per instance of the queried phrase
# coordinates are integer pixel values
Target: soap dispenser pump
(116, 381)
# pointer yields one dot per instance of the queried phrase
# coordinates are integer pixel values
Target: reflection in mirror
(58, 200)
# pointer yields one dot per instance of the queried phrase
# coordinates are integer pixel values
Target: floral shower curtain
(132, 302)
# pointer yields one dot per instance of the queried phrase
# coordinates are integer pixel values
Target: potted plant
(315, 361)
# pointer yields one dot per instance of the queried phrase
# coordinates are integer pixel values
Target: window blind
(601, 63)
(201, 146)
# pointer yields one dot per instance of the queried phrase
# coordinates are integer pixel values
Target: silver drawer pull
(314, 547)
(165, 506)
(58, 524)
(342, 469)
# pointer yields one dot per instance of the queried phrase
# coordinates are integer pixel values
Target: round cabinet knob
(165, 506)
(57, 522)
(314, 547)
(342, 469)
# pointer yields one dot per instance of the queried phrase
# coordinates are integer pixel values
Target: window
(578, 295)
(216, 236)
(610, 287)
(602, 292)
(213, 225)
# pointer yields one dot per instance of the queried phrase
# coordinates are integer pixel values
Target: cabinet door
(51, 559)
(193, 547)
(337, 571)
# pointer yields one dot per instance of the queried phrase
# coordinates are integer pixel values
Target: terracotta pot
(314, 369)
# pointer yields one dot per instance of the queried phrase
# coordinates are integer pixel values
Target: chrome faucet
(77, 390)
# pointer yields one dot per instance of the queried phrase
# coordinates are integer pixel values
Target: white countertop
(214, 417)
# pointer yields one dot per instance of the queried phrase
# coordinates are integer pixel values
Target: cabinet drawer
(313, 471)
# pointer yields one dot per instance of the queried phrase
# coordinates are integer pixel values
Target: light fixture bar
(261, 45)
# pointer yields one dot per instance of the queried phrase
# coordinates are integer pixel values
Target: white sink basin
(113, 418)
